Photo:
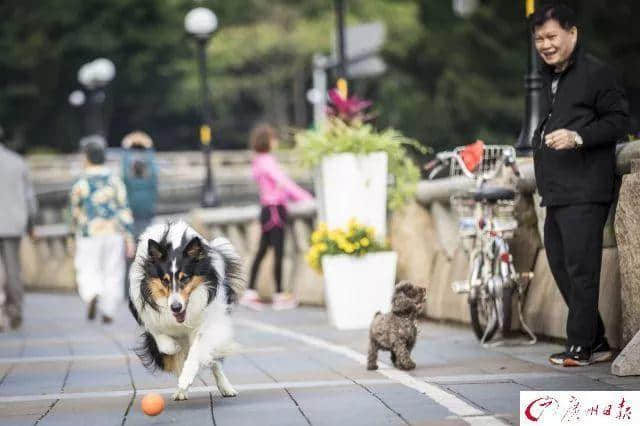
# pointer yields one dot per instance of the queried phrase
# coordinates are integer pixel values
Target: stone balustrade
(48, 259)
(180, 180)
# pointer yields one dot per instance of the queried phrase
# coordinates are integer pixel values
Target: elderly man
(584, 112)
(17, 215)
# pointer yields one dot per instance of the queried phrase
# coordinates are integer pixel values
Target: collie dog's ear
(155, 251)
(194, 248)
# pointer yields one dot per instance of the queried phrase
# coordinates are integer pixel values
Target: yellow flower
(356, 246)
(316, 237)
(364, 242)
(349, 249)
(322, 247)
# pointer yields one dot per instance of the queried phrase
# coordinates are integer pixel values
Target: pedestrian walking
(140, 177)
(276, 189)
(102, 223)
(17, 217)
(584, 113)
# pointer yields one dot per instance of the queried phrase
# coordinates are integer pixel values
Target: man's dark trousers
(573, 243)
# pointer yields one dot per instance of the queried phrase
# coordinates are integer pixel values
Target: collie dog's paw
(168, 346)
(180, 395)
(227, 391)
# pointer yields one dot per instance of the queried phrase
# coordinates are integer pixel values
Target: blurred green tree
(450, 80)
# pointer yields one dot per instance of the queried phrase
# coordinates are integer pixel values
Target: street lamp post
(94, 76)
(201, 23)
(533, 86)
(340, 7)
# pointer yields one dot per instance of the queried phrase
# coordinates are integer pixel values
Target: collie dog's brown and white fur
(181, 290)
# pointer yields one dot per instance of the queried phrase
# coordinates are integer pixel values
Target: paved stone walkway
(291, 369)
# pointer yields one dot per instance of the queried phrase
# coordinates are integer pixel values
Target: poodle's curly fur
(396, 331)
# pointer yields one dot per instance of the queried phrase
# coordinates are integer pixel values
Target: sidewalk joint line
(298, 406)
(357, 383)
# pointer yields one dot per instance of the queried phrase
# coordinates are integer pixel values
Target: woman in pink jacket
(276, 189)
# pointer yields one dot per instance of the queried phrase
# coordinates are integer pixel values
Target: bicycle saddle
(494, 193)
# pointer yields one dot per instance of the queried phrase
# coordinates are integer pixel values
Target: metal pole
(340, 6)
(320, 84)
(95, 119)
(209, 195)
(533, 86)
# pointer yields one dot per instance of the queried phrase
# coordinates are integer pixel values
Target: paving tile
(107, 411)
(34, 379)
(344, 405)
(495, 398)
(264, 408)
(99, 347)
(45, 349)
(446, 422)
(576, 382)
(413, 406)
(99, 375)
(22, 413)
(343, 366)
(291, 366)
(11, 349)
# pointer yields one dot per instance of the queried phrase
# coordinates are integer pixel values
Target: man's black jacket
(590, 101)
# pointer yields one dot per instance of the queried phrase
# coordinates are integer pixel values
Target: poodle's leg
(403, 357)
(372, 359)
(224, 386)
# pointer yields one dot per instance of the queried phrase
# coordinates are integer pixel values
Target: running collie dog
(181, 290)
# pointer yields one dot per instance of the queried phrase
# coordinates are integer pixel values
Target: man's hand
(561, 139)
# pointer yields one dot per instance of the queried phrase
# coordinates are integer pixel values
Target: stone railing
(241, 226)
(47, 260)
(426, 238)
(180, 179)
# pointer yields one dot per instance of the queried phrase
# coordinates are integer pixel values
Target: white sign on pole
(362, 43)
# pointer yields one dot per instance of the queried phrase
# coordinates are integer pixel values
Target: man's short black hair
(562, 13)
(93, 147)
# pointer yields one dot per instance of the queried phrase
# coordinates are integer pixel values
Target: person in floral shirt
(103, 225)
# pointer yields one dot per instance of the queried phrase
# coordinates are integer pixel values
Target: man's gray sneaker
(601, 353)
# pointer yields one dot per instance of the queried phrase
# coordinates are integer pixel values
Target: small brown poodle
(396, 331)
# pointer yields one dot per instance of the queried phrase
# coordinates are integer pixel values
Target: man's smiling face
(555, 44)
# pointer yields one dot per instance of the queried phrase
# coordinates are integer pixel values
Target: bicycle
(486, 222)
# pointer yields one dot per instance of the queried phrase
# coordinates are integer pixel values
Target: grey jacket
(18, 203)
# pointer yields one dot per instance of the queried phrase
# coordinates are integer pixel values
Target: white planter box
(357, 287)
(349, 185)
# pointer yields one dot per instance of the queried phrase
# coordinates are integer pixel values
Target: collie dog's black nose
(176, 307)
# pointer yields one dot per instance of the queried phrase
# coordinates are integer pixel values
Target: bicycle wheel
(481, 305)
(504, 305)
(483, 318)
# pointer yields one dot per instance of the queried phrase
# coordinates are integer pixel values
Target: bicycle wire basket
(491, 156)
(463, 203)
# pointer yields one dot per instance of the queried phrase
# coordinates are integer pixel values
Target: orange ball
(152, 404)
